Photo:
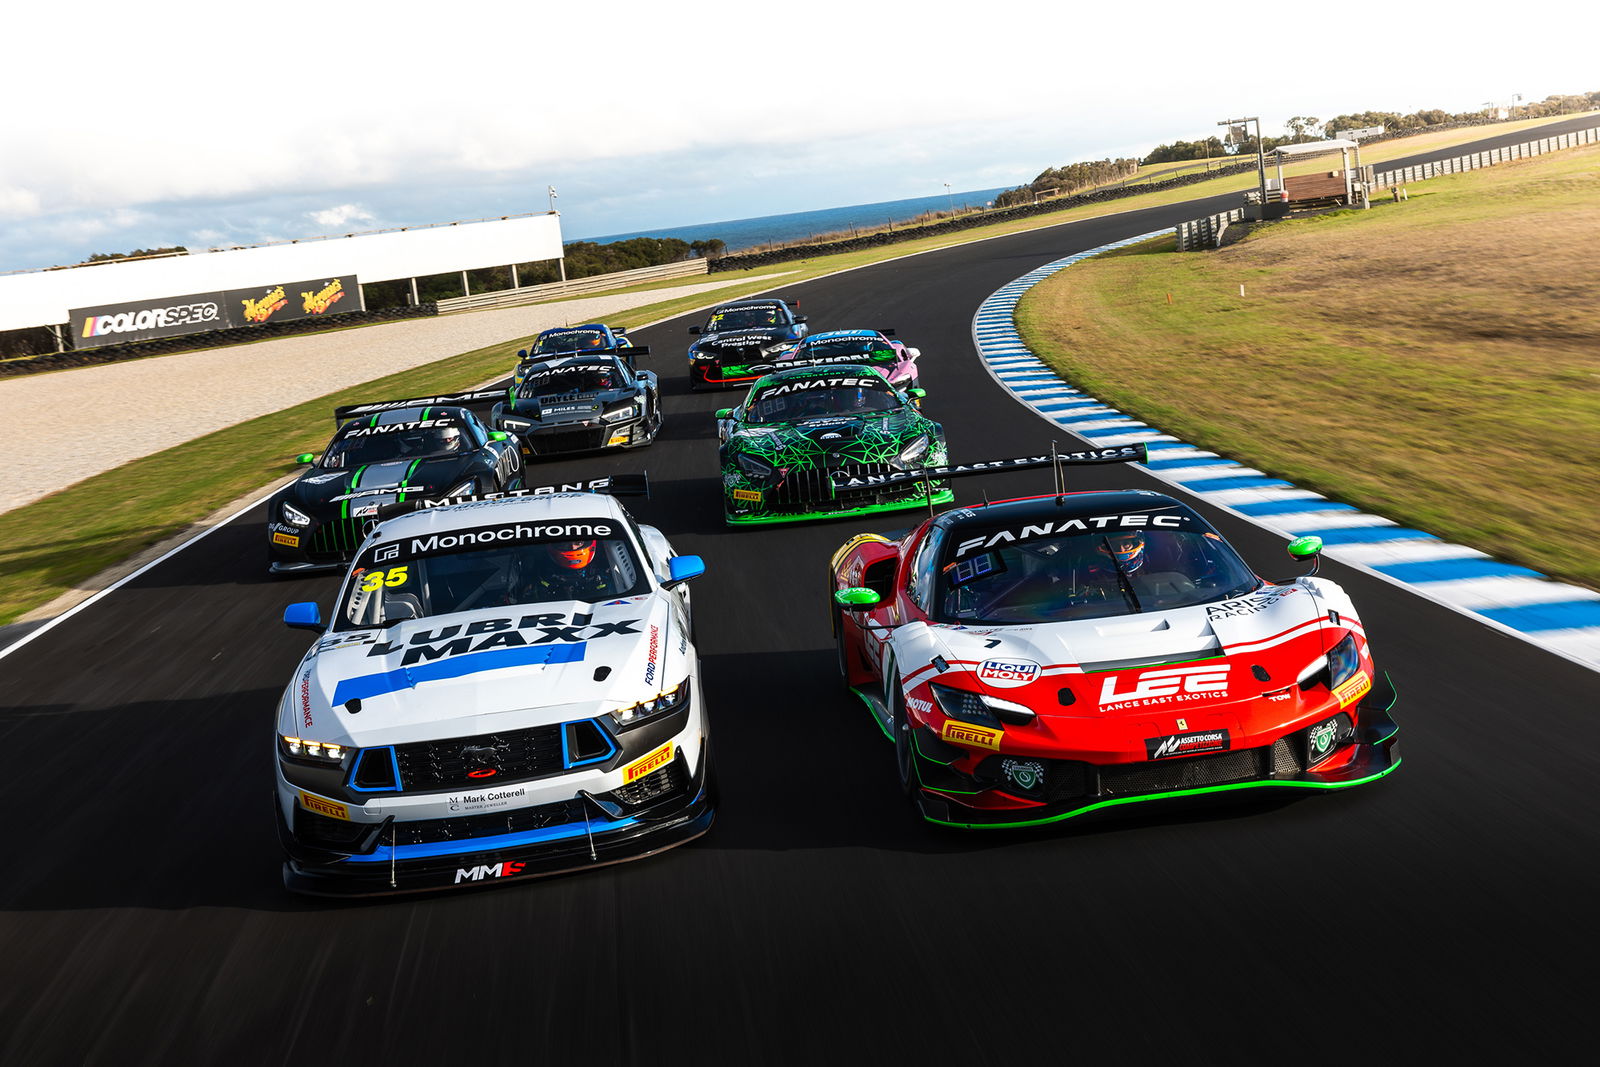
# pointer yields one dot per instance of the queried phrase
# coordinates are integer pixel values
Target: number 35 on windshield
(372, 581)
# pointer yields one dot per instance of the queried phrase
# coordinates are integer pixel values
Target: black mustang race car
(739, 335)
(580, 404)
(388, 452)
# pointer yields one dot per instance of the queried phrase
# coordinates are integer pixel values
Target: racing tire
(842, 652)
(905, 757)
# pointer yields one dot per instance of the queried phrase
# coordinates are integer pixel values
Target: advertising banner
(145, 320)
(293, 300)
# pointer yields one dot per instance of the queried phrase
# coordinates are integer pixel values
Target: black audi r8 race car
(741, 333)
(591, 339)
(801, 426)
(385, 453)
(581, 404)
(1037, 659)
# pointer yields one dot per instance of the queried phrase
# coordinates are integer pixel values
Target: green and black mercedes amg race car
(798, 428)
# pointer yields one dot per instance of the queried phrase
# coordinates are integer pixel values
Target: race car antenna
(1060, 476)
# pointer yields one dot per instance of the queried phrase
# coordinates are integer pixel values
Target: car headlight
(294, 516)
(1338, 665)
(979, 708)
(913, 452)
(623, 411)
(755, 466)
(777, 349)
(516, 425)
(466, 488)
(667, 700)
(323, 752)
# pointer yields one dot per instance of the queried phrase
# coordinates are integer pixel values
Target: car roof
(1071, 506)
(754, 302)
(421, 413)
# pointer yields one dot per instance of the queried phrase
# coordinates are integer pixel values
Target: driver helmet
(571, 555)
(450, 439)
(1126, 547)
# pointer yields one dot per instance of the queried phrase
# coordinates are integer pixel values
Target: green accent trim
(1301, 547)
(874, 713)
(374, 421)
(1114, 802)
(857, 596)
(355, 480)
(941, 762)
(401, 499)
(306, 457)
(425, 414)
(943, 496)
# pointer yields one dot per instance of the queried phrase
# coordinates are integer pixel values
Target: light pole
(1516, 98)
(949, 200)
(561, 261)
(1261, 159)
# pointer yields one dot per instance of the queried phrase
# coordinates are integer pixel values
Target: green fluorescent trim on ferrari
(874, 712)
(943, 496)
(1115, 801)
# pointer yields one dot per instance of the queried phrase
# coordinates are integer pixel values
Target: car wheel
(842, 652)
(905, 760)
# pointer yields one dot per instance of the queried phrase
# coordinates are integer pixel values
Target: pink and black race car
(1040, 658)
(878, 348)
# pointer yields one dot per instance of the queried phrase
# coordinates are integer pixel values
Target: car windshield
(811, 398)
(873, 348)
(570, 341)
(383, 444)
(590, 570)
(743, 319)
(1090, 576)
(567, 380)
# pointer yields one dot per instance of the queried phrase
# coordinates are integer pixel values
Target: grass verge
(1435, 361)
(54, 544)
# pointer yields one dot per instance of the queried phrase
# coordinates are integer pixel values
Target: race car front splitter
(589, 831)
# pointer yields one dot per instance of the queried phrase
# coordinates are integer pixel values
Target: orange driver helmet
(573, 555)
(1127, 547)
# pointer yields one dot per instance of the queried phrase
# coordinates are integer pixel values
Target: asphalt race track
(1447, 910)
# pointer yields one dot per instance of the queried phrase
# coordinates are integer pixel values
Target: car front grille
(1163, 776)
(805, 490)
(670, 779)
(339, 538)
(568, 440)
(513, 755)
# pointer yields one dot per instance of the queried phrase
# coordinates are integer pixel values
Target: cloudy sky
(176, 122)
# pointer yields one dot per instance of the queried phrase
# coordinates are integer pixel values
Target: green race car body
(800, 431)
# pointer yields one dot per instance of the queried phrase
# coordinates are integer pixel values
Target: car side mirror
(694, 329)
(522, 353)
(1307, 548)
(916, 392)
(725, 413)
(914, 353)
(857, 598)
(303, 616)
(499, 435)
(798, 319)
(306, 457)
(682, 568)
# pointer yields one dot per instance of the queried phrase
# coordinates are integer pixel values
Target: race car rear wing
(355, 411)
(820, 361)
(628, 353)
(611, 485)
(1126, 454)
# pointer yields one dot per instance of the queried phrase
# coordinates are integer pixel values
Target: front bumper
(1070, 788)
(586, 435)
(751, 513)
(588, 830)
(320, 547)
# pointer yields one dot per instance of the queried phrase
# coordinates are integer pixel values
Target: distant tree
(712, 249)
(1303, 127)
(106, 257)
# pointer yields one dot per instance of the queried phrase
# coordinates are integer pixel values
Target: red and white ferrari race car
(1039, 658)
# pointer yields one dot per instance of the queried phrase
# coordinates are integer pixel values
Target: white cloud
(341, 216)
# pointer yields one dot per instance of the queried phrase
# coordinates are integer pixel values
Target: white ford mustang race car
(506, 688)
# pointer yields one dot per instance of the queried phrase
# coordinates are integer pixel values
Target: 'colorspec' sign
(145, 320)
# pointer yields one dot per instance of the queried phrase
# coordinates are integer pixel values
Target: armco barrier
(1206, 232)
(578, 286)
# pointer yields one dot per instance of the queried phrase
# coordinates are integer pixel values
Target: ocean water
(799, 225)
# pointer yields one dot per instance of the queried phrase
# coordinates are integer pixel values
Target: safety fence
(1206, 232)
(1478, 160)
(530, 294)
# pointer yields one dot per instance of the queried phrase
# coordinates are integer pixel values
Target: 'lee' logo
(492, 870)
(1168, 682)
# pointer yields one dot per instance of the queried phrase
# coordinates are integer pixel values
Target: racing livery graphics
(505, 688)
(740, 339)
(1036, 659)
(815, 442)
(384, 453)
(592, 339)
(580, 404)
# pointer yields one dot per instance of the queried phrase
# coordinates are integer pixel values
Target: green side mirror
(856, 598)
(725, 413)
(306, 457)
(1305, 547)
(499, 435)
(916, 393)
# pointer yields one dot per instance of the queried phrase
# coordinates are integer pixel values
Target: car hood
(563, 406)
(481, 671)
(743, 341)
(876, 438)
(1197, 657)
(321, 492)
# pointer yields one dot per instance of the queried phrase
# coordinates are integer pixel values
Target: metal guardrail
(1206, 232)
(1478, 160)
(530, 294)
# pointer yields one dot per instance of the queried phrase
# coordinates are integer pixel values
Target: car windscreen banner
(282, 302)
(144, 320)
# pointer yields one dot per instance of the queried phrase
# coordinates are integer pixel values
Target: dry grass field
(1436, 361)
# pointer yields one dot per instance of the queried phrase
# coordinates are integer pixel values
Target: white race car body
(496, 741)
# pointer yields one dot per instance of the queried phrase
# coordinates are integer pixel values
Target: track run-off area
(1446, 909)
